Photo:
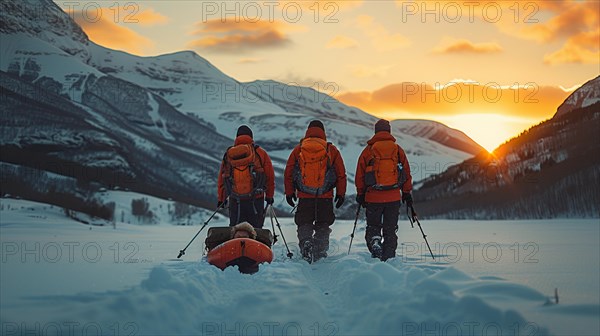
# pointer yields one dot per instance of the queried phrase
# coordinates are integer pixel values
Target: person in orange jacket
(314, 169)
(383, 179)
(248, 207)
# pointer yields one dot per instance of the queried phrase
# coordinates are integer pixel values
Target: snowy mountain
(276, 111)
(44, 20)
(550, 170)
(159, 125)
(586, 95)
(439, 133)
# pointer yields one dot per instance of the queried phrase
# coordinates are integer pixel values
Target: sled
(246, 253)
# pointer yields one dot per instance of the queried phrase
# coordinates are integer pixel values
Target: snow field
(145, 291)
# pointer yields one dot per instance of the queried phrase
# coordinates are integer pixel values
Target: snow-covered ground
(491, 277)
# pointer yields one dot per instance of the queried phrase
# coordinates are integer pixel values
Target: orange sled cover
(244, 252)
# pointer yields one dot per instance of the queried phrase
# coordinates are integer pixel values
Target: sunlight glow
(488, 130)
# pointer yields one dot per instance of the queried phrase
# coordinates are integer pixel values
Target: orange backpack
(384, 170)
(243, 172)
(314, 173)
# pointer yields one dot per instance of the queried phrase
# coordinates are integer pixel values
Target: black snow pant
(250, 210)
(383, 217)
(313, 218)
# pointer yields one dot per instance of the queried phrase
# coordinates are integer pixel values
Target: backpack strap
(256, 147)
(371, 161)
(329, 164)
(224, 161)
(225, 154)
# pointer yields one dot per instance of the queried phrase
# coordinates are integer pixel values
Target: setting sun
(488, 130)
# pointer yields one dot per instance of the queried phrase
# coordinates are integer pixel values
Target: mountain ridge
(585, 95)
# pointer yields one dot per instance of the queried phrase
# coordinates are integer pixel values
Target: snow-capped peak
(44, 20)
(586, 95)
(438, 132)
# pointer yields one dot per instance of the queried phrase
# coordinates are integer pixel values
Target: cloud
(579, 49)
(149, 17)
(101, 28)
(342, 42)
(574, 23)
(381, 38)
(463, 46)
(543, 21)
(449, 99)
(240, 42)
(232, 37)
(569, 21)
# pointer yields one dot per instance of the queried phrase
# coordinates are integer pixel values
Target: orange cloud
(569, 21)
(413, 99)
(579, 49)
(543, 21)
(214, 26)
(149, 17)
(467, 47)
(101, 28)
(577, 23)
(239, 42)
(232, 37)
(342, 42)
(382, 39)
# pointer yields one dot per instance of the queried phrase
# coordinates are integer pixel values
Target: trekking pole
(182, 252)
(289, 254)
(354, 229)
(413, 218)
(272, 225)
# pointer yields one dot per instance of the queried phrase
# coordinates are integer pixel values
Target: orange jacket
(380, 196)
(336, 159)
(267, 165)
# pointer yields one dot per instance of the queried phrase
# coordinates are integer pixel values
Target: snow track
(352, 296)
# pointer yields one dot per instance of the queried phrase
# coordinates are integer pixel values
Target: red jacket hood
(381, 136)
(243, 140)
(315, 132)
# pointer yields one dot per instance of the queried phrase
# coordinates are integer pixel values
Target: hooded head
(316, 123)
(243, 230)
(244, 130)
(315, 130)
(382, 126)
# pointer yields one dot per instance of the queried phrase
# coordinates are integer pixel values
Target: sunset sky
(490, 69)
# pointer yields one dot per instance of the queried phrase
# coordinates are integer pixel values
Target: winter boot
(376, 248)
(319, 248)
(319, 255)
(307, 251)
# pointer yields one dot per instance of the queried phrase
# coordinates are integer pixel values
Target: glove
(269, 200)
(221, 204)
(290, 199)
(339, 200)
(360, 199)
(407, 198)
